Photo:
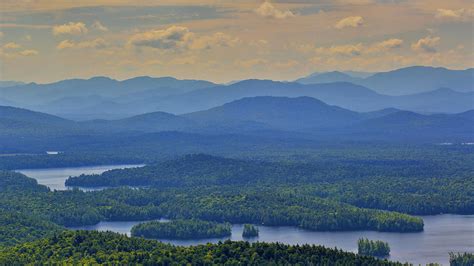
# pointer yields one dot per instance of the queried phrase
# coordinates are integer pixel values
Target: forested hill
(290, 114)
(290, 120)
(201, 169)
(84, 247)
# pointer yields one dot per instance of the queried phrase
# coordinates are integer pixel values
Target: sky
(224, 40)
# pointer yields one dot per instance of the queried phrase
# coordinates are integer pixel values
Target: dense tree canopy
(181, 229)
(373, 248)
(250, 231)
(461, 259)
(88, 247)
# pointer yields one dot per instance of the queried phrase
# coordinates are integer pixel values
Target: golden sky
(220, 40)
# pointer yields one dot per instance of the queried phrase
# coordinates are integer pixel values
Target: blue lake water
(54, 178)
(442, 234)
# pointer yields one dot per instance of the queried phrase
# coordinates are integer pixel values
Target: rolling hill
(282, 113)
(17, 121)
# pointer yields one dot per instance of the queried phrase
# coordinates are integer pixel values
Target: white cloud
(99, 26)
(171, 38)
(353, 21)
(28, 52)
(97, 43)
(178, 37)
(427, 44)
(65, 44)
(462, 14)
(346, 50)
(268, 10)
(72, 28)
(11, 45)
(356, 49)
(386, 45)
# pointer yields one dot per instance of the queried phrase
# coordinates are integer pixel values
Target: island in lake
(181, 229)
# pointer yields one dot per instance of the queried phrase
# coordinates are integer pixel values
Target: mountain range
(432, 90)
(404, 81)
(301, 117)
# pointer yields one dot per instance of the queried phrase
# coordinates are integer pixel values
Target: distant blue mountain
(9, 83)
(150, 122)
(343, 94)
(404, 81)
(450, 91)
(266, 116)
(282, 113)
(328, 77)
(36, 94)
(18, 121)
(419, 79)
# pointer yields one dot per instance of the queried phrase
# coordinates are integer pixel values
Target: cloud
(171, 38)
(386, 45)
(462, 14)
(11, 45)
(354, 22)
(427, 44)
(28, 52)
(268, 10)
(178, 37)
(356, 49)
(345, 50)
(72, 28)
(1, 34)
(97, 43)
(99, 26)
(65, 44)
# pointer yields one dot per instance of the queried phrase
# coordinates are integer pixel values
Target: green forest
(461, 259)
(89, 247)
(332, 190)
(181, 229)
(250, 231)
(373, 247)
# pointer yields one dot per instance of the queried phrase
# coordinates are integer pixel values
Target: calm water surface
(54, 178)
(443, 233)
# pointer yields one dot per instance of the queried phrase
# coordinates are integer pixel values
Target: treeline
(89, 247)
(12, 181)
(250, 231)
(461, 259)
(201, 169)
(402, 186)
(373, 248)
(224, 204)
(420, 196)
(182, 229)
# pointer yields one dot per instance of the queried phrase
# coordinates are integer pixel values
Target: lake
(442, 234)
(54, 178)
